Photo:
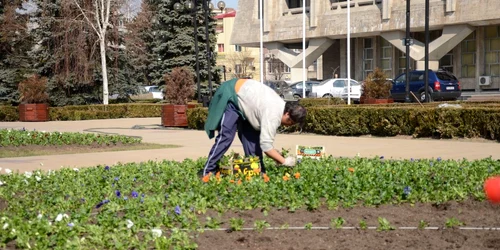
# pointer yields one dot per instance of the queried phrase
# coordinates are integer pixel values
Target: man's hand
(290, 161)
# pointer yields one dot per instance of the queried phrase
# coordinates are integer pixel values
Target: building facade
(235, 60)
(464, 37)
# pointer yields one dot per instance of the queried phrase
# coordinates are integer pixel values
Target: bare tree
(242, 63)
(100, 25)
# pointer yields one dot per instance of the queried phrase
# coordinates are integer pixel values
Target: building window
(492, 50)
(237, 48)
(221, 47)
(402, 63)
(468, 46)
(386, 59)
(446, 62)
(367, 57)
(297, 3)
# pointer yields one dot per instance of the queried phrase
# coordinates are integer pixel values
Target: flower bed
(12, 137)
(161, 204)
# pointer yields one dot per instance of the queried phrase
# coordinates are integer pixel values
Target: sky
(229, 3)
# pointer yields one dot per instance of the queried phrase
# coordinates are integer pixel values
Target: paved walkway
(196, 144)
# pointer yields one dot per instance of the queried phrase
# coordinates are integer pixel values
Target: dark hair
(296, 112)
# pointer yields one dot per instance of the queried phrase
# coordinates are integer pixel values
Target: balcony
(342, 4)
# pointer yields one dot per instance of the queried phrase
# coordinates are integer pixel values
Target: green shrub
(9, 113)
(377, 120)
(197, 117)
(311, 102)
(112, 111)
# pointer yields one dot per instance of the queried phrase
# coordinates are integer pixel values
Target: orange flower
(286, 178)
(351, 170)
(206, 178)
(231, 181)
(297, 175)
(266, 178)
(257, 170)
(239, 182)
(249, 178)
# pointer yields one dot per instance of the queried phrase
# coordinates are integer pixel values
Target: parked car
(355, 92)
(281, 88)
(155, 90)
(443, 85)
(297, 88)
(331, 88)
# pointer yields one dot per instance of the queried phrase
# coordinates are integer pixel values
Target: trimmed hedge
(9, 113)
(112, 111)
(312, 102)
(390, 121)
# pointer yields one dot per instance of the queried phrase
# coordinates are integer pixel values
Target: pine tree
(173, 43)
(14, 42)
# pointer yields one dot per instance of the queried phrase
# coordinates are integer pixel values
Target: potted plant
(376, 88)
(34, 98)
(179, 88)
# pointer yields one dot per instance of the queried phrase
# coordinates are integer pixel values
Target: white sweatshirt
(263, 108)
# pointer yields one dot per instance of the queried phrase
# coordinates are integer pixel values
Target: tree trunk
(105, 93)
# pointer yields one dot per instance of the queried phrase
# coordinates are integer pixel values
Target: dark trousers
(249, 137)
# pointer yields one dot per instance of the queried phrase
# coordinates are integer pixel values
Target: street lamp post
(192, 5)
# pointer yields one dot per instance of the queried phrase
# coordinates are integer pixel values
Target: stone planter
(175, 115)
(38, 112)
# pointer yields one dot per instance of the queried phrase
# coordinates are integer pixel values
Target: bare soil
(469, 213)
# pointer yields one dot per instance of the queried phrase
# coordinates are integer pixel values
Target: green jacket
(225, 93)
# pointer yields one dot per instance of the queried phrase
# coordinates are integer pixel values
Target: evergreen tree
(66, 53)
(173, 43)
(14, 42)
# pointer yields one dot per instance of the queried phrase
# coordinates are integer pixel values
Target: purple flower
(82, 200)
(118, 193)
(381, 157)
(125, 197)
(106, 168)
(24, 129)
(71, 224)
(407, 190)
(411, 159)
(101, 203)
(439, 159)
(135, 194)
(135, 179)
(299, 161)
(142, 200)
(431, 163)
(117, 178)
(142, 195)
(177, 210)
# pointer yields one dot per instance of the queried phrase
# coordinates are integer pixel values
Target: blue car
(443, 86)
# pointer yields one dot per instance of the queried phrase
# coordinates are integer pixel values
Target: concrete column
(343, 58)
(313, 20)
(479, 56)
(358, 66)
(267, 5)
(457, 60)
(319, 68)
(451, 5)
(394, 62)
(386, 9)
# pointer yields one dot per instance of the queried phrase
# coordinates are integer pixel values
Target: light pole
(192, 5)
